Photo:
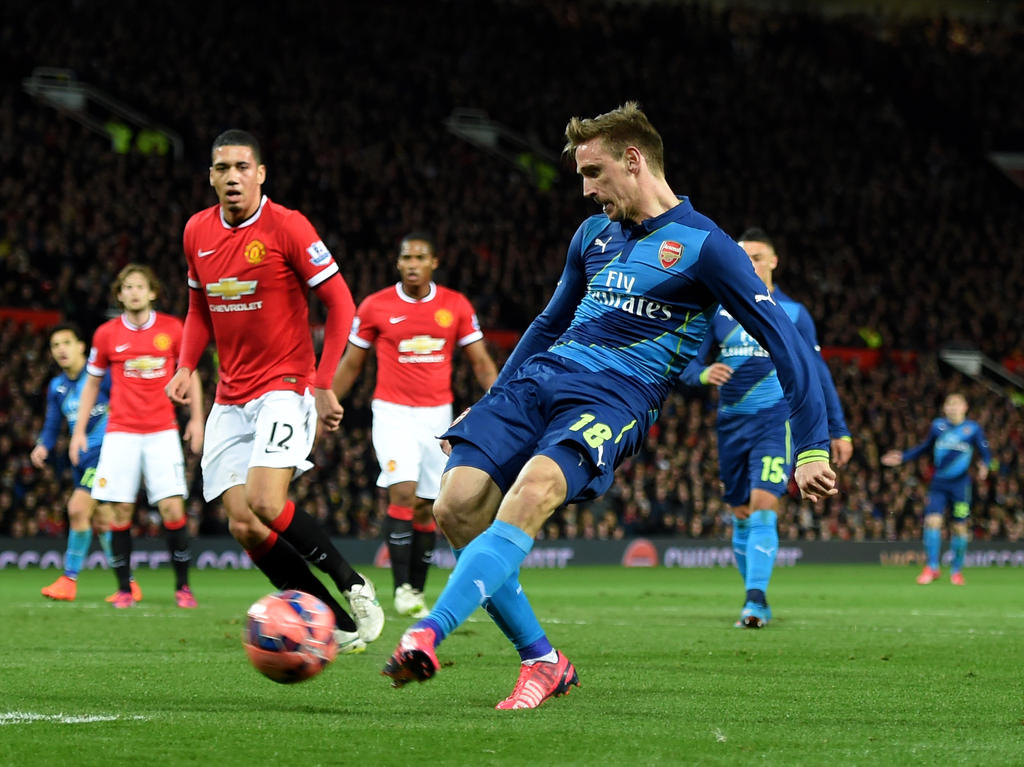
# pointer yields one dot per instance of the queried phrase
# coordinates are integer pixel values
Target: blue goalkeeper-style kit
(62, 397)
(953, 448)
(754, 440)
(631, 309)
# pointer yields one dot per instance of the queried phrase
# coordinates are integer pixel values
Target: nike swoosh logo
(121, 348)
(396, 320)
(206, 252)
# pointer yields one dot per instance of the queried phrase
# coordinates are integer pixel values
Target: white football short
(127, 460)
(276, 430)
(407, 447)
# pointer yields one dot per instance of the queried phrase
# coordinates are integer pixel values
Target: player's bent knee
(250, 533)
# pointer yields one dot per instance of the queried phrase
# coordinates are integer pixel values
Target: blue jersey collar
(648, 225)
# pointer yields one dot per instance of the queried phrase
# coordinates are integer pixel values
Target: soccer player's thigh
(734, 446)
(589, 439)
(770, 461)
(163, 465)
(432, 458)
(227, 448)
(960, 502)
(400, 434)
(119, 469)
(285, 431)
(938, 500)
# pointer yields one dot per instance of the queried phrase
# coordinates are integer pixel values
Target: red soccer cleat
(63, 589)
(414, 659)
(539, 681)
(928, 574)
(957, 579)
(122, 599)
(184, 597)
(136, 592)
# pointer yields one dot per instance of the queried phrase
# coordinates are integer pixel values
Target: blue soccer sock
(78, 547)
(932, 538)
(762, 546)
(740, 535)
(105, 544)
(512, 613)
(958, 545)
(482, 569)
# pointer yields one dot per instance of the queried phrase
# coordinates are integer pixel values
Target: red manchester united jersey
(256, 278)
(415, 340)
(141, 362)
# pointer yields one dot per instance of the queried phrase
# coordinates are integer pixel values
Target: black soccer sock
(121, 556)
(399, 537)
(178, 546)
(283, 566)
(423, 542)
(311, 541)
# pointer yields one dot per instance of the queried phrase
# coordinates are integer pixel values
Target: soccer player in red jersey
(416, 326)
(140, 348)
(251, 263)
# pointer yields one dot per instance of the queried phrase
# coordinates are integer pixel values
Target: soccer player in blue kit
(954, 439)
(584, 385)
(62, 394)
(755, 454)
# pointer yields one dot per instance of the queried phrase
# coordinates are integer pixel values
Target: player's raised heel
(755, 616)
(539, 681)
(366, 610)
(414, 659)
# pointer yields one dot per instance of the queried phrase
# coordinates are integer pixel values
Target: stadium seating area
(858, 143)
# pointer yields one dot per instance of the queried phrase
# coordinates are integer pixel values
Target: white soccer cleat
(349, 642)
(366, 610)
(409, 601)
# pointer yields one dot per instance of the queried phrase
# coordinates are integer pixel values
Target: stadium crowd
(859, 143)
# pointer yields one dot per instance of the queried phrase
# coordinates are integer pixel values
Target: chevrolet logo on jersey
(230, 288)
(420, 345)
(145, 367)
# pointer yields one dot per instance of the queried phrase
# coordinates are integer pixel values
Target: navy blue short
(955, 495)
(584, 421)
(85, 472)
(753, 454)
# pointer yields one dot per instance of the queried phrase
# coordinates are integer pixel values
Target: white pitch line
(27, 717)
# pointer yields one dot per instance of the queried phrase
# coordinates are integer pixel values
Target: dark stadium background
(864, 141)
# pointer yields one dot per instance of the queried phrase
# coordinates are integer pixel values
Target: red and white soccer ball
(289, 636)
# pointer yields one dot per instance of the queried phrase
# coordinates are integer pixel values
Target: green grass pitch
(860, 667)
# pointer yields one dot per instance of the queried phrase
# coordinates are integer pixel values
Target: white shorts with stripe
(407, 447)
(276, 430)
(128, 460)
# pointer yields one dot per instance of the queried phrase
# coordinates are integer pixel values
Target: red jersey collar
(249, 221)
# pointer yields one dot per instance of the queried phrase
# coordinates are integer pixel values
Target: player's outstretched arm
(892, 458)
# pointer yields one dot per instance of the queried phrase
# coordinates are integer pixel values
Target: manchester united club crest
(444, 318)
(255, 252)
(670, 252)
(162, 342)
